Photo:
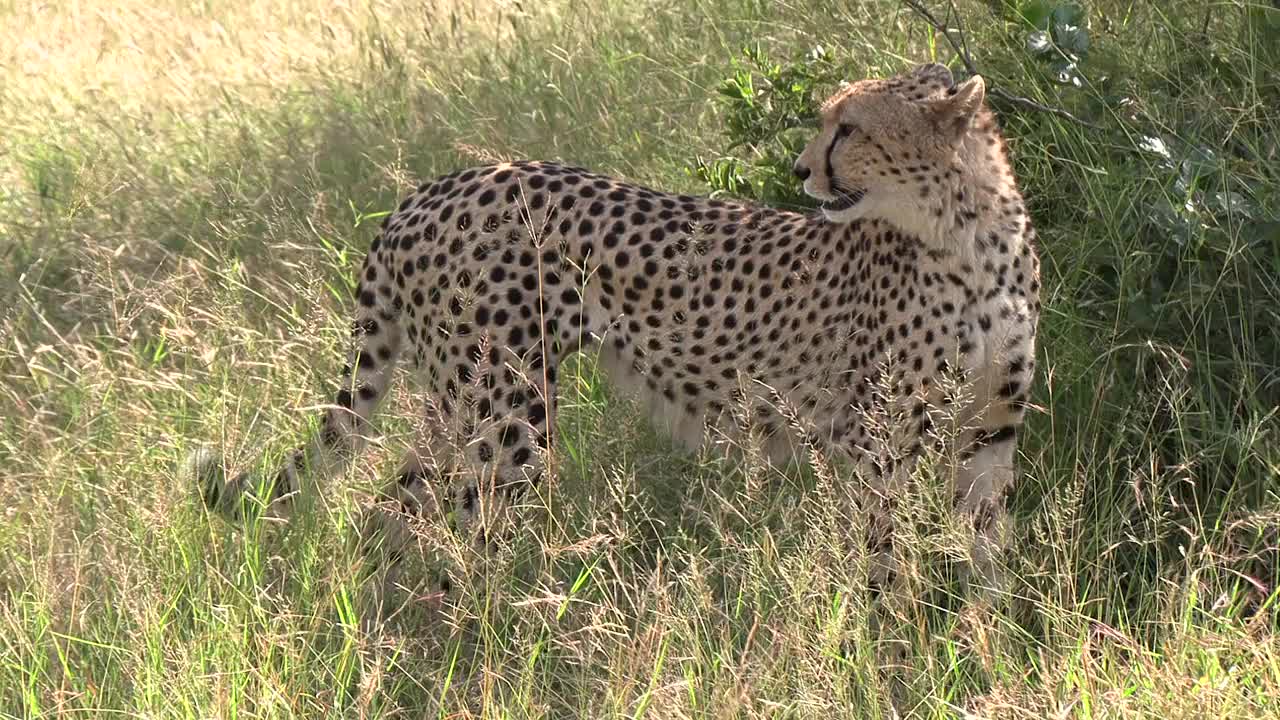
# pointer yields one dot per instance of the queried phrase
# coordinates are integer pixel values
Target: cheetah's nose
(801, 171)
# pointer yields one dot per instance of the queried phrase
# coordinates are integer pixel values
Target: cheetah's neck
(974, 196)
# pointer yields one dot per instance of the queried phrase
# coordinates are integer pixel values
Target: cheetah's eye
(844, 130)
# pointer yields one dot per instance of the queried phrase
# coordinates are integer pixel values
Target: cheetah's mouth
(843, 200)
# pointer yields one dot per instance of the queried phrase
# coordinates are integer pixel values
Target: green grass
(184, 195)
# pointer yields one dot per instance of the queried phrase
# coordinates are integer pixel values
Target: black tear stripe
(842, 131)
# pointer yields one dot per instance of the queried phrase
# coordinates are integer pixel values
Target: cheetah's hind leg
(392, 525)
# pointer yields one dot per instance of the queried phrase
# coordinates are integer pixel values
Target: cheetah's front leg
(983, 477)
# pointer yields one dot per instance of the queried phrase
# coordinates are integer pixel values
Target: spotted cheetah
(899, 318)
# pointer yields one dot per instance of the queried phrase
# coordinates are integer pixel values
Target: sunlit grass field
(186, 191)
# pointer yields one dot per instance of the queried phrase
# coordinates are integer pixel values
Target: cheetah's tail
(205, 468)
(376, 340)
(235, 497)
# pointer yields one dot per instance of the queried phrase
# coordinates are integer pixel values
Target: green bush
(769, 114)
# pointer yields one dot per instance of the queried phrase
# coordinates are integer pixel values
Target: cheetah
(916, 276)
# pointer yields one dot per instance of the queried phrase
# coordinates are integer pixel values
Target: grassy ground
(185, 191)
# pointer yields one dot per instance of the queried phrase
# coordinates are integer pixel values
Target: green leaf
(1068, 14)
(1200, 162)
(1066, 72)
(1035, 13)
(1232, 205)
(1072, 38)
(1170, 221)
(1038, 43)
(731, 89)
(1071, 29)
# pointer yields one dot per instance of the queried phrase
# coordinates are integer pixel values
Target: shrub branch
(960, 44)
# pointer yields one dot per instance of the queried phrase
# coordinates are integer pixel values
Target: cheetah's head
(887, 147)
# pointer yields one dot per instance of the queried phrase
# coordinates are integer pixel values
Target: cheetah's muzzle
(844, 200)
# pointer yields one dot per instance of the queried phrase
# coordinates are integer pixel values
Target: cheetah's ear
(953, 112)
